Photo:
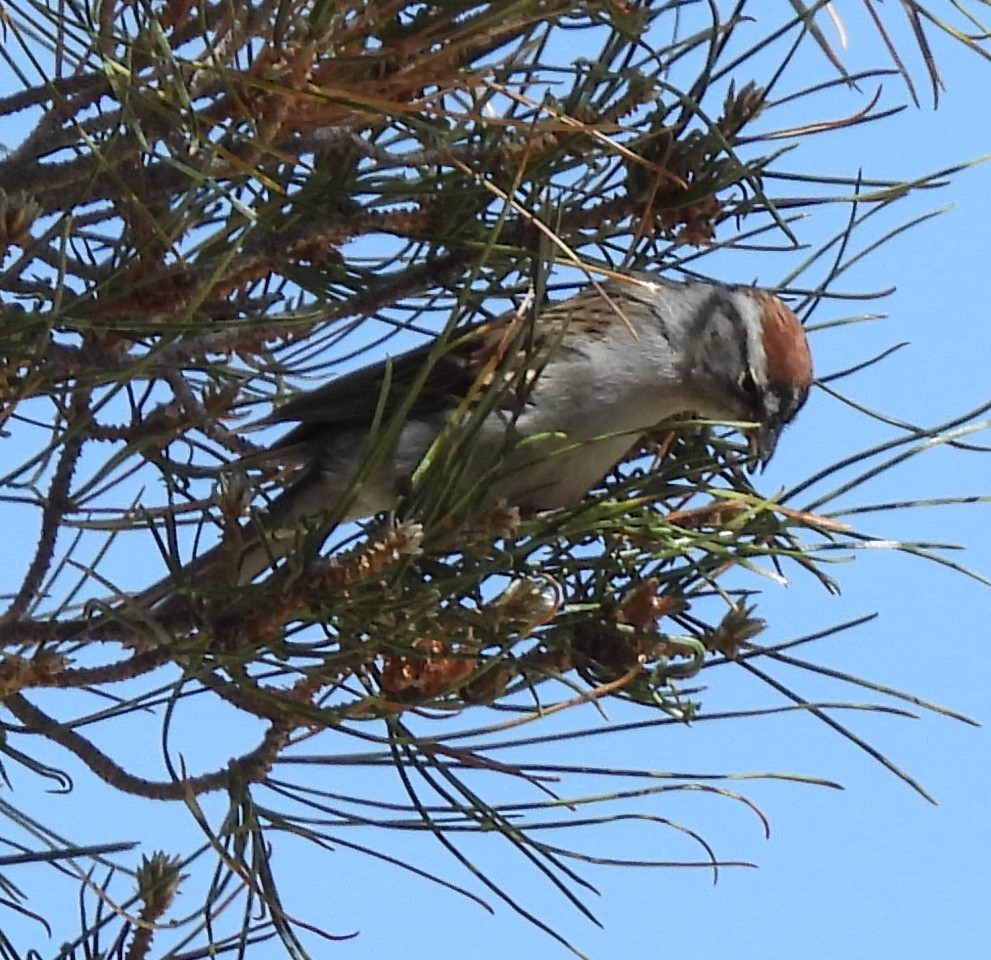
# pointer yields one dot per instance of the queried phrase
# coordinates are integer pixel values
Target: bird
(548, 405)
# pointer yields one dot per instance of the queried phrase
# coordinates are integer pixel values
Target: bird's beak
(761, 442)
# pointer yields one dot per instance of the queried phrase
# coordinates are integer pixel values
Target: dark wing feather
(505, 351)
(353, 399)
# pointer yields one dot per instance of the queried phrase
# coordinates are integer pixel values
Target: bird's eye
(752, 399)
(747, 383)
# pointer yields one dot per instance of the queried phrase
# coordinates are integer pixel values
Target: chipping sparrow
(584, 381)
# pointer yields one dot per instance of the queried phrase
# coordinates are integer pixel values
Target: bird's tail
(218, 569)
(227, 566)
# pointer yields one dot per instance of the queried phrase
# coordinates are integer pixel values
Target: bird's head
(781, 368)
(750, 357)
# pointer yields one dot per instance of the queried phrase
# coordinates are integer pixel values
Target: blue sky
(870, 871)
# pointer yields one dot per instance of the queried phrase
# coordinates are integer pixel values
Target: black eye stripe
(723, 298)
(747, 383)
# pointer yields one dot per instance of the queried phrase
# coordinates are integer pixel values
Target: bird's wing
(506, 354)
(354, 398)
(475, 358)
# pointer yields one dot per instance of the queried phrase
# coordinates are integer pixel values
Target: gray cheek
(781, 406)
(770, 404)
